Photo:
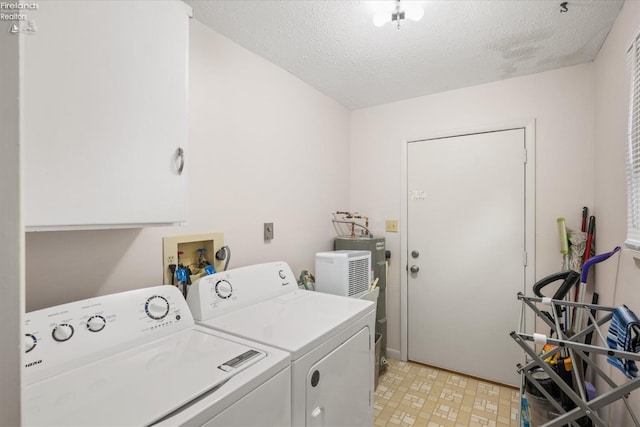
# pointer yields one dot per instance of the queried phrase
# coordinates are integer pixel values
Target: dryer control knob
(30, 342)
(157, 307)
(96, 323)
(62, 332)
(282, 274)
(224, 289)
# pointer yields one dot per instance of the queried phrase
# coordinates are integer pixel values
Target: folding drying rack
(579, 352)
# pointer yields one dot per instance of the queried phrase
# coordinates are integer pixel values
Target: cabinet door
(104, 108)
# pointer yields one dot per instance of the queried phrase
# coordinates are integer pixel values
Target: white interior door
(466, 224)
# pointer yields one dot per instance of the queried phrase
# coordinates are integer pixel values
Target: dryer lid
(296, 321)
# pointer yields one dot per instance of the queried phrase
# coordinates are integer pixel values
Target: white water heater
(345, 272)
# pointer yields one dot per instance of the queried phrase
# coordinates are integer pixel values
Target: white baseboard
(393, 354)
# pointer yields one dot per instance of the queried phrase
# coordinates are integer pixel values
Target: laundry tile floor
(410, 394)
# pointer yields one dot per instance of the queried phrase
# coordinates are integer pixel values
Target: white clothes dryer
(330, 338)
(138, 359)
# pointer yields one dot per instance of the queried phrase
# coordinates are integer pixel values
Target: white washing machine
(330, 338)
(138, 359)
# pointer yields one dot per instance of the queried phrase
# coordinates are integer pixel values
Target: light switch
(391, 225)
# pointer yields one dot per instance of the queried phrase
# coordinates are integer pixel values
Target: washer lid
(295, 322)
(142, 385)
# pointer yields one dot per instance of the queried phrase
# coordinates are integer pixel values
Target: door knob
(414, 268)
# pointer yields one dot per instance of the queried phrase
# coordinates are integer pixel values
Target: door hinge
(524, 258)
(525, 156)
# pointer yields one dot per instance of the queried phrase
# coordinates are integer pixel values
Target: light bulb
(413, 11)
(387, 10)
(381, 18)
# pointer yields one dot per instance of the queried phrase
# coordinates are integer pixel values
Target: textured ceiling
(334, 46)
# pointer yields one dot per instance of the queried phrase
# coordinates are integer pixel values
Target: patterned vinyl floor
(410, 394)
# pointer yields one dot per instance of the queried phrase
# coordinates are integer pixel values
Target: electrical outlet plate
(268, 231)
(391, 225)
(189, 246)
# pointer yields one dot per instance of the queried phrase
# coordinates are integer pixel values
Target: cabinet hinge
(524, 258)
(524, 158)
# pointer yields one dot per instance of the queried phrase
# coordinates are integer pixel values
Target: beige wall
(11, 236)
(617, 282)
(560, 101)
(263, 147)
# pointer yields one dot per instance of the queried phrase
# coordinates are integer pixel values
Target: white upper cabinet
(104, 114)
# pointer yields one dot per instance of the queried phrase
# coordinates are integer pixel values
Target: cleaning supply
(564, 243)
(582, 286)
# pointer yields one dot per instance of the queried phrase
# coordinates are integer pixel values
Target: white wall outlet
(171, 259)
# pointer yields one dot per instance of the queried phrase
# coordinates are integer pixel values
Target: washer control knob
(30, 342)
(62, 332)
(224, 289)
(282, 274)
(96, 323)
(157, 307)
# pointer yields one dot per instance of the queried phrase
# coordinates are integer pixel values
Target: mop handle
(562, 233)
(596, 259)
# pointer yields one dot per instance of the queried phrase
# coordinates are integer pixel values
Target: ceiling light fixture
(409, 10)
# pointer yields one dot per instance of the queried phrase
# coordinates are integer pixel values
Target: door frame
(529, 126)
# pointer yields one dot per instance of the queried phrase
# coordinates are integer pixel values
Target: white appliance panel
(347, 369)
(124, 322)
(268, 405)
(228, 291)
